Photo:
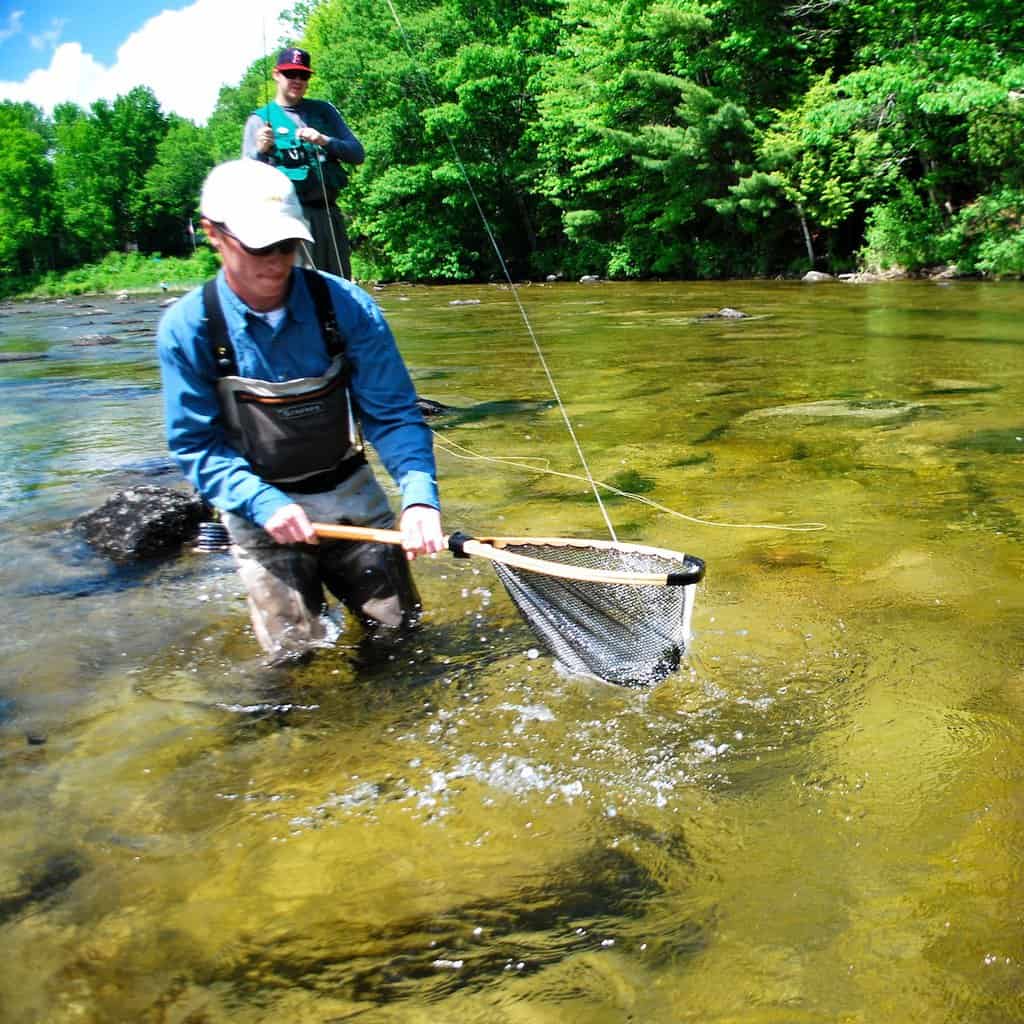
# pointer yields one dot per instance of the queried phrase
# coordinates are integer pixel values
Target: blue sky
(52, 52)
(100, 26)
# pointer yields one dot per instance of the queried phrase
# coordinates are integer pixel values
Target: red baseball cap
(293, 59)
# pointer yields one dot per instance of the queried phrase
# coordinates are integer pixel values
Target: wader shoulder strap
(324, 304)
(217, 328)
(217, 332)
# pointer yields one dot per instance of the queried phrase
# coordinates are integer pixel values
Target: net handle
(462, 546)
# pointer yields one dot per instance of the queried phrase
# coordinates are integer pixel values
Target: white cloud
(13, 26)
(47, 39)
(184, 56)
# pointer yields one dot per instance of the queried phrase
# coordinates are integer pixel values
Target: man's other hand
(421, 531)
(291, 525)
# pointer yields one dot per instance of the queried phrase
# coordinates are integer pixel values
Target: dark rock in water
(431, 408)
(142, 522)
(20, 357)
(725, 313)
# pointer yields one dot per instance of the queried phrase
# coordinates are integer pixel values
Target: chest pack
(301, 161)
(301, 434)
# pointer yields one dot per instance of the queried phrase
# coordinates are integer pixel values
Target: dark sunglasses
(286, 247)
(302, 76)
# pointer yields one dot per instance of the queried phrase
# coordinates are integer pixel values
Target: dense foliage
(627, 138)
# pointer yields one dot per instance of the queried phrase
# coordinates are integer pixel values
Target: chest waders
(300, 435)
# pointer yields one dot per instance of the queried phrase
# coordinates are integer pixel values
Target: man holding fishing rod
(271, 374)
(307, 140)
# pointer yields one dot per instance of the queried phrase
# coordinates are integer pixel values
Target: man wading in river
(271, 373)
(308, 140)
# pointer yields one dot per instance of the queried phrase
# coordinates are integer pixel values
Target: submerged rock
(946, 386)
(142, 522)
(726, 313)
(20, 357)
(95, 339)
(882, 411)
(1006, 441)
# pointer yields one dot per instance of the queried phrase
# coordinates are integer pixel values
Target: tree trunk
(807, 235)
(524, 215)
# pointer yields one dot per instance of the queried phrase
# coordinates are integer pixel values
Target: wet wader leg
(321, 223)
(285, 596)
(375, 584)
(344, 247)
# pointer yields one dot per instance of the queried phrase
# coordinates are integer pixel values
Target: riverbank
(118, 272)
(134, 274)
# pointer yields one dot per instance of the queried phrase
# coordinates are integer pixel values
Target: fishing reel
(213, 538)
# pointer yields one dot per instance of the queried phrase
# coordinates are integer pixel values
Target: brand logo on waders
(297, 412)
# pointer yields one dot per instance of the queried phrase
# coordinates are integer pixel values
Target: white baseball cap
(255, 202)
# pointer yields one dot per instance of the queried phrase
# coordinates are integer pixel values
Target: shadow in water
(448, 416)
(476, 945)
(94, 576)
(39, 885)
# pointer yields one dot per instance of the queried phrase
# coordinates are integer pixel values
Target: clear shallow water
(819, 819)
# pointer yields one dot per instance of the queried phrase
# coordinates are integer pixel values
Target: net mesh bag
(628, 633)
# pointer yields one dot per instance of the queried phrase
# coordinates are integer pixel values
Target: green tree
(26, 178)
(449, 96)
(595, 98)
(133, 130)
(623, 137)
(226, 124)
(100, 164)
(81, 189)
(169, 197)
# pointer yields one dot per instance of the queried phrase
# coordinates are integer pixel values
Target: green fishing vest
(302, 161)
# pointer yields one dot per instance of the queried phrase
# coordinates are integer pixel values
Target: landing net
(632, 632)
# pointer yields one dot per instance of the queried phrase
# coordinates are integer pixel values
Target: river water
(818, 819)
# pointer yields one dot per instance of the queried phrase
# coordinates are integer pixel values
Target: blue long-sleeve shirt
(379, 382)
